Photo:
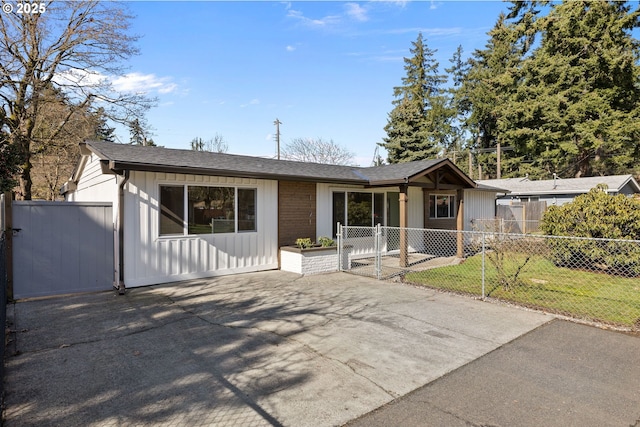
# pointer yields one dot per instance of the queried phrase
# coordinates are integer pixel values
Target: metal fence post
(378, 251)
(340, 249)
(483, 269)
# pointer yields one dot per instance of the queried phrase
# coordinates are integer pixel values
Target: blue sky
(324, 69)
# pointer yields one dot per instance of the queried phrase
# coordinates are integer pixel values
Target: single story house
(183, 214)
(558, 191)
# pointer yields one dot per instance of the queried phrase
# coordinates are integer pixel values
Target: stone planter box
(314, 260)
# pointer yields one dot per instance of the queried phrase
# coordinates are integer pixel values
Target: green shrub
(326, 242)
(304, 243)
(596, 215)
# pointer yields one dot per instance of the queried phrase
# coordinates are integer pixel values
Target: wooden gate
(61, 247)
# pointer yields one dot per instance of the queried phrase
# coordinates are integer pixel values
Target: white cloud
(143, 83)
(314, 23)
(79, 78)
(290, 48)
(254, 101)
(352, 11)
(356, 12)
(132, 82)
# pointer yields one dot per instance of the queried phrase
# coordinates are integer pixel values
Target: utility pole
(498, 166)
(278, 123)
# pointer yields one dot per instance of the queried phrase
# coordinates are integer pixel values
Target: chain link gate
(386, 252)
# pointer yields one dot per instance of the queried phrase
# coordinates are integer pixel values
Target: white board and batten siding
(478, 205)
(94, 186)
(151, 258)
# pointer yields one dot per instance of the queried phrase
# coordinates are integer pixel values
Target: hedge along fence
(591, 218)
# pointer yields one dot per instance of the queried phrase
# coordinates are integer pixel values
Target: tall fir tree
(138, 133)
(417, 126)
(458, 105)
(489, 82)
(103, 131)
(492, 82)
(577, 108)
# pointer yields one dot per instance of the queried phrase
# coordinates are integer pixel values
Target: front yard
(541, 284)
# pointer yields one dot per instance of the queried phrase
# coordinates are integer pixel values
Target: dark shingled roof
(121, 157)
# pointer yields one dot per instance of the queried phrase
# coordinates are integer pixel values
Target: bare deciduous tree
(217, 144)
(75, 47)
(317, 151)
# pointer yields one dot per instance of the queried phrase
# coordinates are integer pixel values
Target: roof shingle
(121, 157)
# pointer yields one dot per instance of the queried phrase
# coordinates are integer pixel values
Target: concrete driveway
(269, 348)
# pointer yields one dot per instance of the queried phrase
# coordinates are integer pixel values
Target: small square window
(442, 206)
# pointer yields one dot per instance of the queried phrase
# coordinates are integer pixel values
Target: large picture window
(208, 210)
(357, 209)
(442, 206)
(212, 210)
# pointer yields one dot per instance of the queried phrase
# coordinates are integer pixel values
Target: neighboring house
(558, 191)
(183, 214)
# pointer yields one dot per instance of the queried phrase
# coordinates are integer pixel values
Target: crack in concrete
(18, 352)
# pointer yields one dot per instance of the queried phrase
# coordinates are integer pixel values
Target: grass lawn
(540, 284)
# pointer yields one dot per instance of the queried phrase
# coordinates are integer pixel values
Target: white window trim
(360, 190)
(451, 207)
(185, 219)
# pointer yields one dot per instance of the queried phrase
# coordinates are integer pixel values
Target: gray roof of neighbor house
(524, 186)
(119, 157)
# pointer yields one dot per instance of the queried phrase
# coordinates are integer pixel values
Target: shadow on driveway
(268, 348)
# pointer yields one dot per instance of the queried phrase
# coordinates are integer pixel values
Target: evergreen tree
(138, 134)
(9, 160)
(459, 106)
(417, 126)
(577, 108)
(103, 131)
(489, 82)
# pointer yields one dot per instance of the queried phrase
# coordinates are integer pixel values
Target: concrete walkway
(270, 348)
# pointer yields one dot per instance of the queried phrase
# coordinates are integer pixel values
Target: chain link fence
(589, 279)
(3, 293)
(3, 307)
(501, 225)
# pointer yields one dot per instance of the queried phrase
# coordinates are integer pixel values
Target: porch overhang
(441, 174)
